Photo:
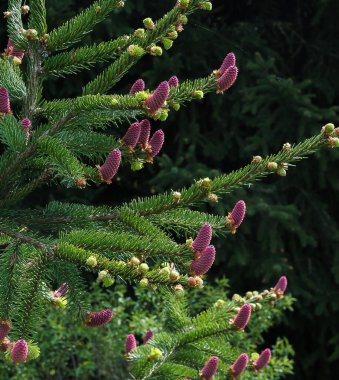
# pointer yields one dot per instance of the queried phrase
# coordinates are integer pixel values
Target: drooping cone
(239, 366)
(158, 98)
(99, 318)
(156, 142)
(281, 285)
(210, 368)
(19, 352)
(11, 50)
(203, 264)
(62, 290)
(242, 318)
(5, 106)
(5, 328)
(227, 79)
(262, 360)
(203, 238)
(145, 131)
(139, 85)
(229, 61)
(173, 81)
(131, 343)
(132, 135)
(109, 169)
(148, 336)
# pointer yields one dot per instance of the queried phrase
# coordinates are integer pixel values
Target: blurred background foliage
(288, 87)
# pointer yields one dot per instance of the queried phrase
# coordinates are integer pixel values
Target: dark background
(288, 87)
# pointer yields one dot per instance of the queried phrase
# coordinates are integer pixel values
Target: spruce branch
(73, 30)
(226, 183)
(37, 18)
(14, 25)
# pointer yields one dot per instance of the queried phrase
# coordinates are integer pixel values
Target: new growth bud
(239, 366)
(130, 344)
(92, 261)
(109, 169)
(256, 159)
(135, 51)
(156, 51)
(210, 368)
(242, 318)
(167, 42)
(148, 23)
(262, 360)
(99, 318)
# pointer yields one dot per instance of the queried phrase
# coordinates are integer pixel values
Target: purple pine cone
(148, 336)
(5, 328)
(262, 360)
(210, 368)
(26, 123)
(131, 343)
(156, 142)
(203, 264)
(99, 318)
(239, 366)
(139, 85)
(157, 100)
(11, 50)
(173, 81)
(238, 213)
(229, 61)
(281, 285)
(19, 352)
(227, 79)
(5, 106)
(132, 135)
(203, 238)
(109, 169)
(62, 290)
(243, 316)
(145, 132)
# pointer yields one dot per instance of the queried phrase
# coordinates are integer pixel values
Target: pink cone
(229, 61)
(5, 328)
(238, 213)
(242, 318)
(5, 106)
(204, 263)
(148, 336)
(131, 343)
(13, 51)
(281, 285)
(156, 142)
(139, 85)
(210, 368)
(227, 79)
(26, 123)
(132, 135)
(262, 360)
(62, 290)
(173, 81)
(203, 238)
(239, 366)
(99, 318)
(19, 352)
(145, 132)
(157, 100)
(109, 169)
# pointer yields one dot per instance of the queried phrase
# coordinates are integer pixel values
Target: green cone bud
(281, 172)
(156, 50)
(198, 94)
(206, 6)
(148, 23)
(272, 166)
(144, 283)
(140, 32)
(135, 51)
(137, 165)
(168, 43)
(144, 268)
(92, 261)
(107, 281)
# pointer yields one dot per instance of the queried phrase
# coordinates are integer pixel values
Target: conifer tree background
(288, 87)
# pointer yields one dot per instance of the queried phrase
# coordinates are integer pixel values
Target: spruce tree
(161, 242)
